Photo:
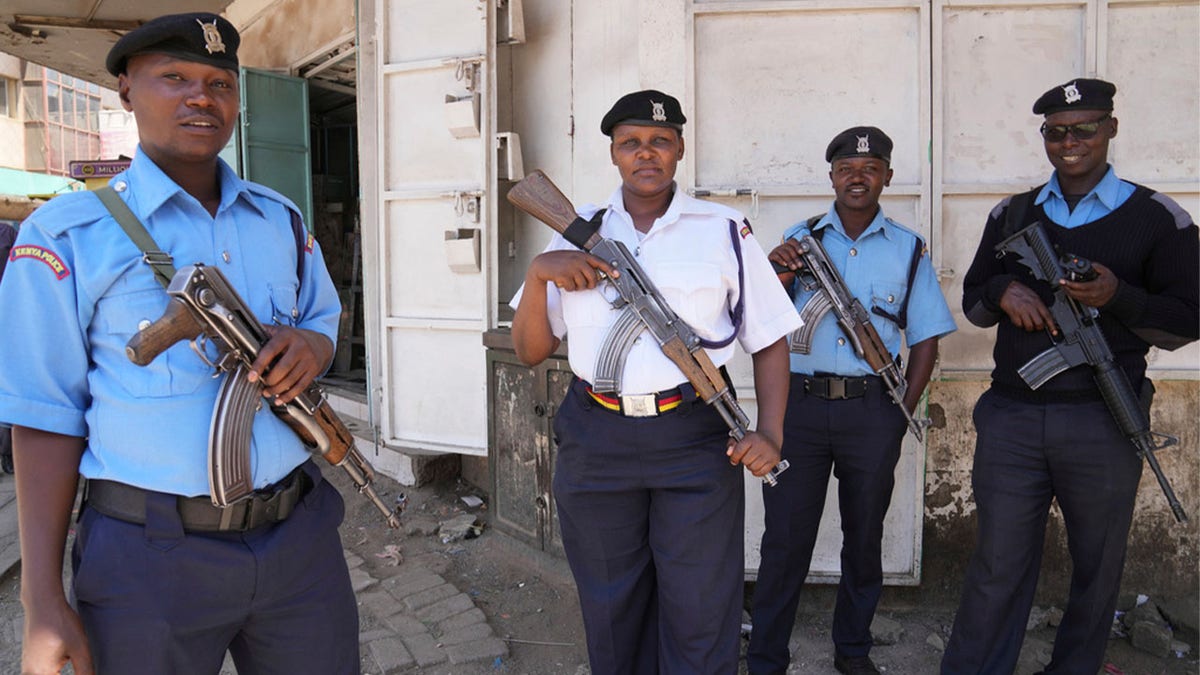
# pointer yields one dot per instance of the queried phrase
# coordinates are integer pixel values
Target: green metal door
(275, 135)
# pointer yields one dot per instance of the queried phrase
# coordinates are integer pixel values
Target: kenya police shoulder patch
(45, 255)
(746, 231)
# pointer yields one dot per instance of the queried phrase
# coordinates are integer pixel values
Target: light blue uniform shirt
(76, 290)
(875, 269)
(1109, 193)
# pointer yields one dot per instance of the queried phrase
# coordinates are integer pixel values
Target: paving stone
(428, 597)
(390, 653)
(373, 635)
(379, 604)
(477, 650)
(407, 573)
(885, 631)
(353, 560)
(462, 620)
(445, 608)
(477, 631)
(414, 585)
(425, 649)
(361, 580)
(405, 625)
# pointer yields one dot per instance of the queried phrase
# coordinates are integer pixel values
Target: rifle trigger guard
(198, 345)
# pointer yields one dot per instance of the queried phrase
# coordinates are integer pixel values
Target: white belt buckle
(642, 405)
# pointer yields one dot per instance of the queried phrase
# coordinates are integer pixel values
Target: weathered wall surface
(276, 35)
(12, 125)
(1164, 556)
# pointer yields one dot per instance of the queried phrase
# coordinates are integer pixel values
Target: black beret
(860, 142)
(645, 108)
(200, 36)
(1080, 94)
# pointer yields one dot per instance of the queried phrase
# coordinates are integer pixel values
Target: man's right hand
(569, 270)
(54, 637)
(1025, 309)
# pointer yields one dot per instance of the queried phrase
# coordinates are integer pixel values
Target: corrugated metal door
(274, 135)
(762, 78)
(434, 79)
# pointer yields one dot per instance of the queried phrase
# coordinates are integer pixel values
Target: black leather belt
(262, 507)
(835, 388)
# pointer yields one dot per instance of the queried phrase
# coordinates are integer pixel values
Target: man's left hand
(1094, 293)
(290, 360)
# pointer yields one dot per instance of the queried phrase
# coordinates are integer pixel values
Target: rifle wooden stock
(177, 323)
(874, 352)
(538, 196)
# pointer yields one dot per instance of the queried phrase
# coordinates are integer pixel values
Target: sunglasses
(1082, 131)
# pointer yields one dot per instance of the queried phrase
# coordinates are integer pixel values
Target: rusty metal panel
(515, 445)
(558, 380)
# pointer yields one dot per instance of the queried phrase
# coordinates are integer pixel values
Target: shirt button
(143, 324)
(841, 342)
(295, 313)
(891, 298)
(225, 256)
(853, 252)
(120, 186)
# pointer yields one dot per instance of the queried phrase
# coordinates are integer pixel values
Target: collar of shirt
(1107, 190)
(832, 219)
(155, 188)
(681, 204)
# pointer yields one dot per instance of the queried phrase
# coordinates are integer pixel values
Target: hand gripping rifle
(204, 306)
(641, 305)
(819, 274)
(1080, 341)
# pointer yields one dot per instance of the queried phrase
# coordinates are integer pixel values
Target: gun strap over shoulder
(901, 317)
(1017, 212)
(162, 263)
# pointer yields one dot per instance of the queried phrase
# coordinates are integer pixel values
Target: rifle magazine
(229, 474)
(610, 360)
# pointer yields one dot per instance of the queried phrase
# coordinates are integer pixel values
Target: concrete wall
(1163, 555)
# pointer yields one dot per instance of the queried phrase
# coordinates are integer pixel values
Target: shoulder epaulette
(68, 210)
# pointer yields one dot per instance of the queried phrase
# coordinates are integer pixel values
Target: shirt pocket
(887, 297)
(284, 309)
(176, 371)
(695, 291)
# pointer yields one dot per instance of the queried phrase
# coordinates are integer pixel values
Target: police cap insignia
(860, 142)
(1078, 94)
(197, 36)
(644, 108)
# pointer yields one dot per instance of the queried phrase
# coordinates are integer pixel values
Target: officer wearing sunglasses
(1060, 443)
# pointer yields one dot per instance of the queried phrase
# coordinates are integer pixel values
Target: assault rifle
(819, 274)
(203, 307)
(1080, 341)
(641, 306)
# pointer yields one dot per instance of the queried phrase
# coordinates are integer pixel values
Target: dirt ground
(529, 598)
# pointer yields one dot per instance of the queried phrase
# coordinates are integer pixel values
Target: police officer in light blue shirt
(840, 416)
(163, 582)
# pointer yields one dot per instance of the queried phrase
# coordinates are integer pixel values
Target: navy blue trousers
(859, 441)
(652, 524)
(155, 599)
(1027, 455)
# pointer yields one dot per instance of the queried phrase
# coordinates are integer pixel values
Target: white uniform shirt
(689, 256)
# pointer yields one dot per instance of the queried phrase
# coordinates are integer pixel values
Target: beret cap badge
(659, 114)
(1071, 93)
(864, 144)
(212, 37)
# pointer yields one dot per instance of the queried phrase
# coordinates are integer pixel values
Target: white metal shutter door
(433, 70)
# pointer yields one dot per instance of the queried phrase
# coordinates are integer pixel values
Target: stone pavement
(410, 621)
(416, 619)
